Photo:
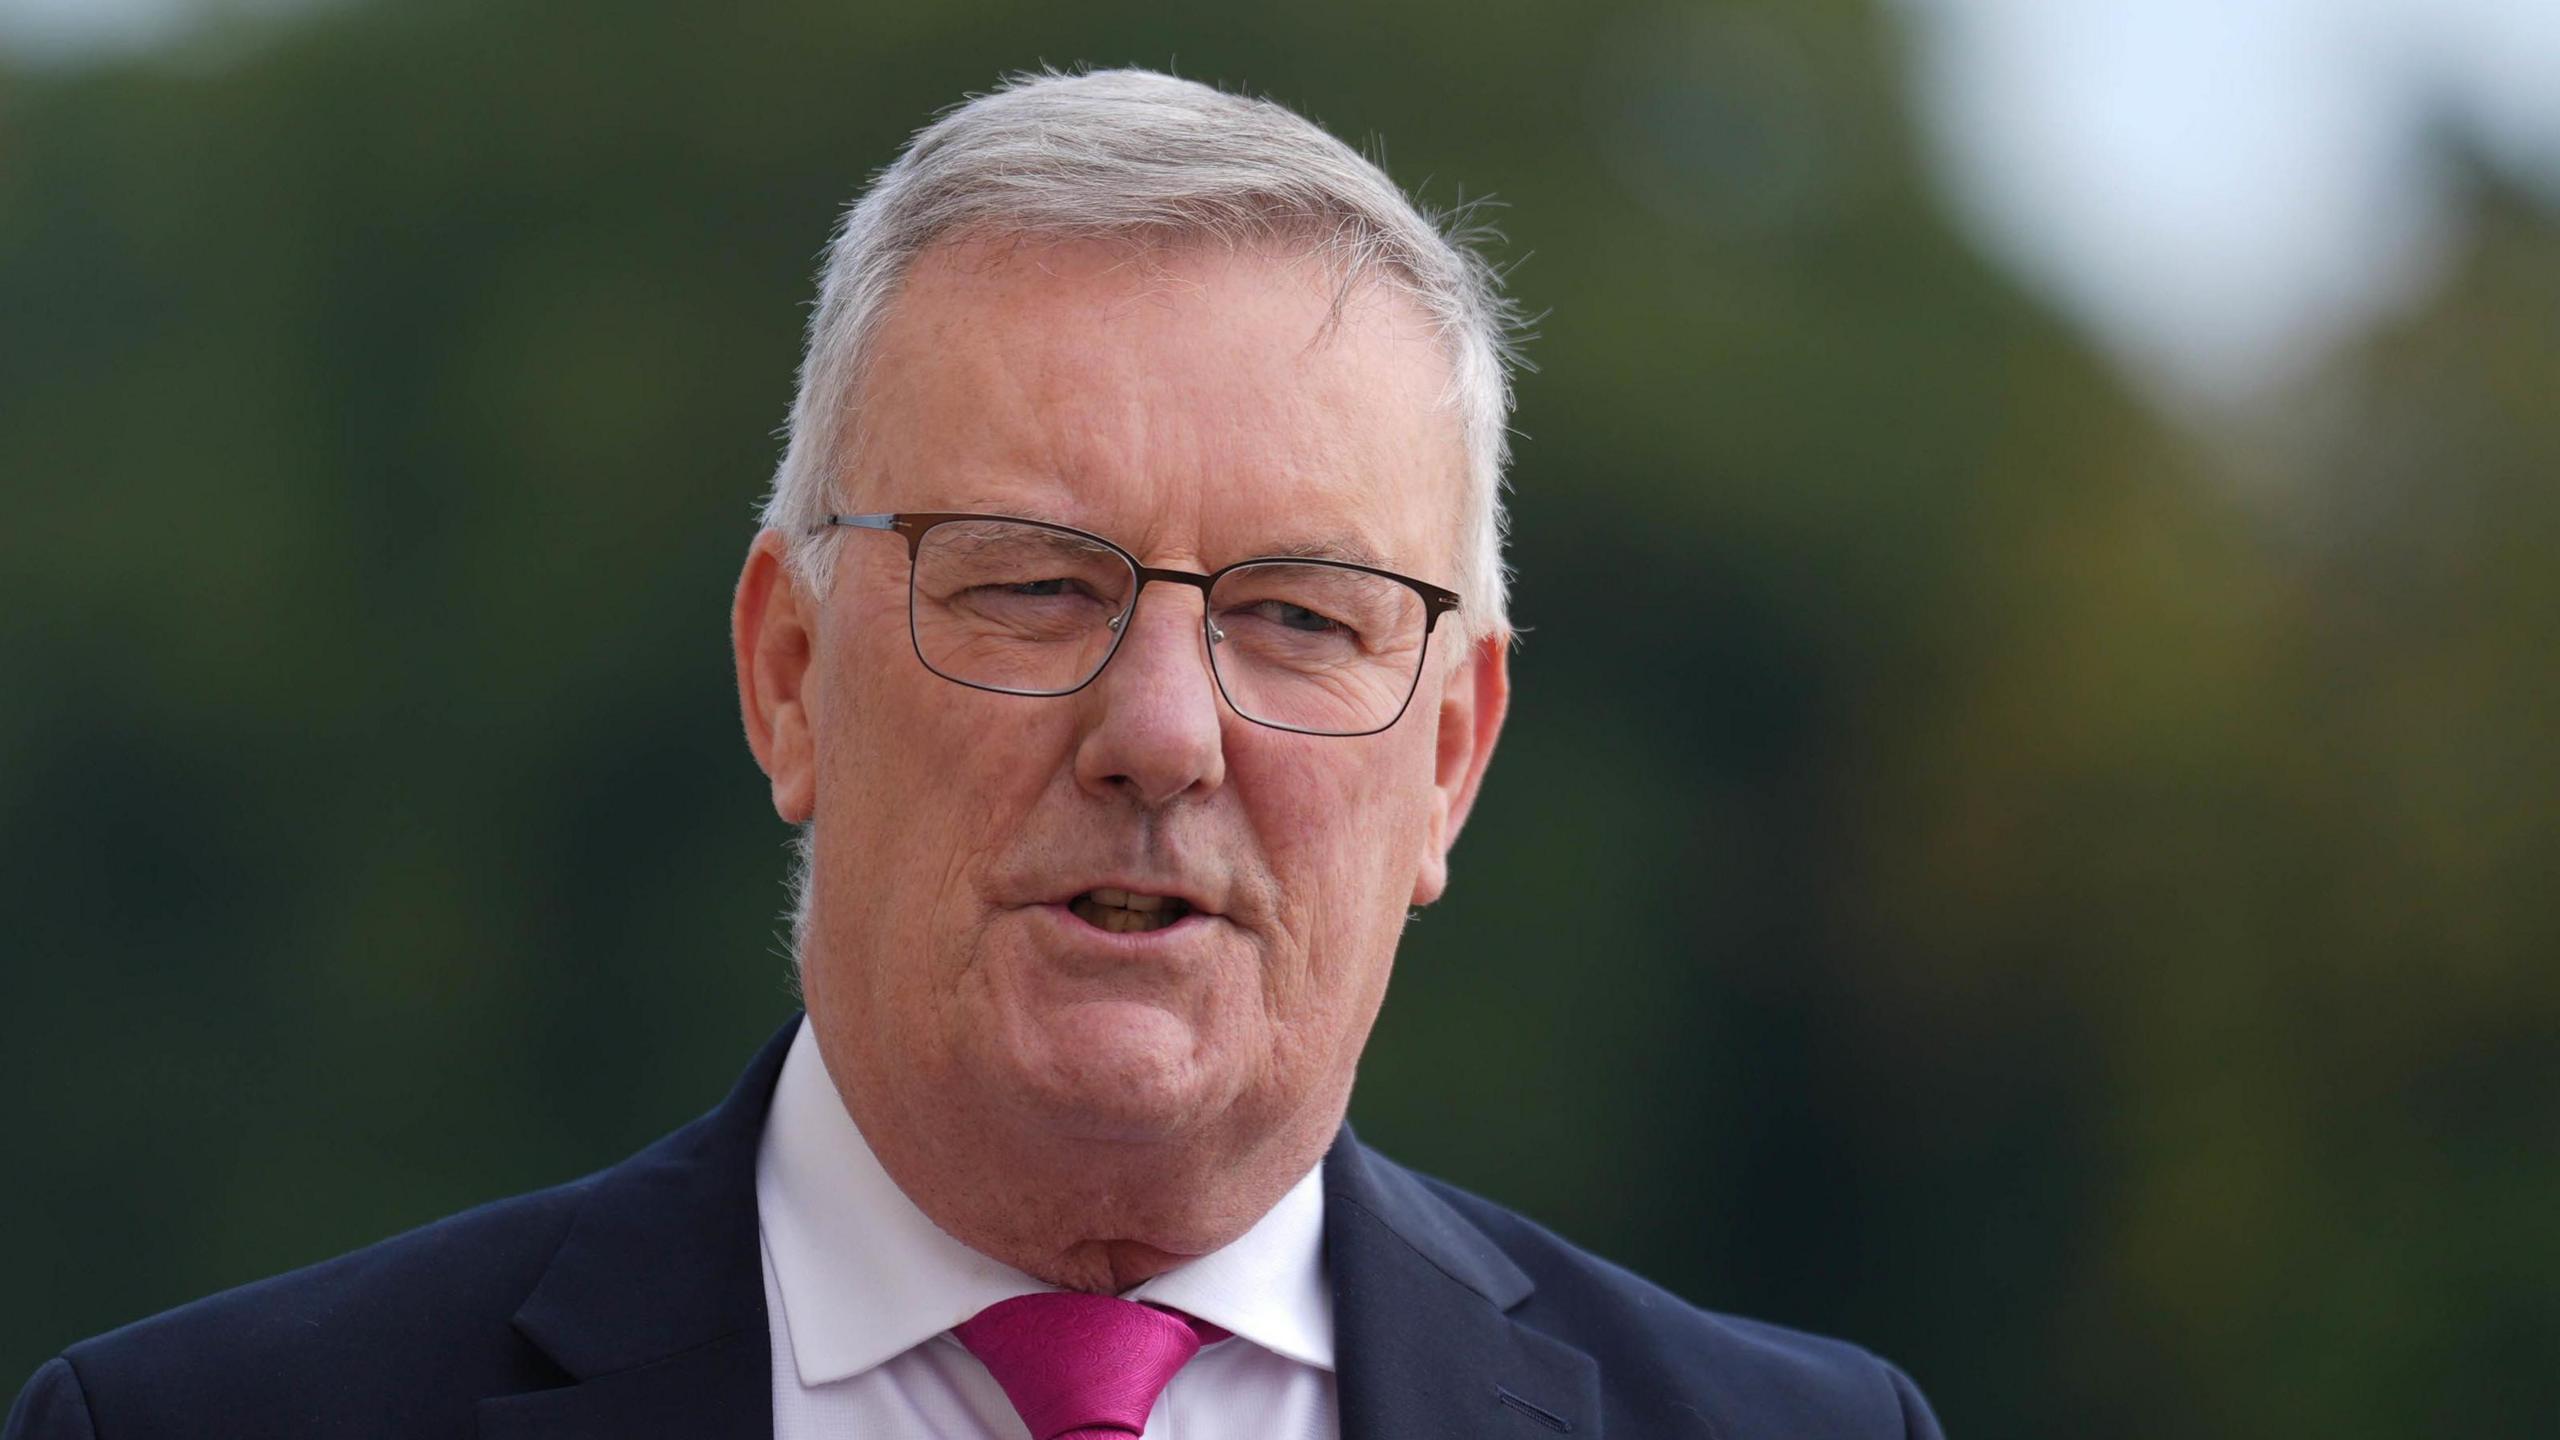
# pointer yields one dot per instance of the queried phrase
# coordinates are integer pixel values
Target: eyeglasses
(1024, 607)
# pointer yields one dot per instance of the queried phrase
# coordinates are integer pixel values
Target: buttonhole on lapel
(1547, 1418)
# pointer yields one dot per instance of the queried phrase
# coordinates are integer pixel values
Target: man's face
(1196, 407)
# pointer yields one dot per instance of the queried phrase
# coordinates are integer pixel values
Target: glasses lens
(1315, 647)
(1013, 606)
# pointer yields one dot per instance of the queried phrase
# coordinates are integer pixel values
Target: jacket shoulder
(1673, 1367)
(405, 1333)
(409, 1336)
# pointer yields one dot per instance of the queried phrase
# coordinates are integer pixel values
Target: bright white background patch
(2221, 189)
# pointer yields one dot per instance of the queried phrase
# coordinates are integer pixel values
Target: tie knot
(1076, 1365)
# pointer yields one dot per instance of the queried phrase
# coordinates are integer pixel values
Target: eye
(1298, 617)
(1055, 587)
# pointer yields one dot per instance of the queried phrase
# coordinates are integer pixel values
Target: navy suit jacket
(631, 1304)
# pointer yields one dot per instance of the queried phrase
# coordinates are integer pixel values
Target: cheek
(920, 782)
(1343, 841)
(875, 739)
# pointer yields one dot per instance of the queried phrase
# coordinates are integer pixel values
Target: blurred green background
(2059, 894)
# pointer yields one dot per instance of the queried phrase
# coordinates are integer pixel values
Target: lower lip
(1135, 942)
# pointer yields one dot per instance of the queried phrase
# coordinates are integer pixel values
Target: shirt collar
(865, 1276)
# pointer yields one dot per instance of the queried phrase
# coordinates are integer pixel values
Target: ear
(1473, 701)
(772, 635)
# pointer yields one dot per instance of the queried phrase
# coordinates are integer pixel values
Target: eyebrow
(1320, 547)
(1342, 548)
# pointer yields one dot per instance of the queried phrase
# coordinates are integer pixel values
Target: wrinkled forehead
(1197, 395)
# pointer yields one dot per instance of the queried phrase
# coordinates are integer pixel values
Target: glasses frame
(913, 525)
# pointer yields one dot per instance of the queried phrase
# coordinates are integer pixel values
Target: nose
(1154, 728)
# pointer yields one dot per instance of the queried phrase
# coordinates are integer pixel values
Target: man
(1126, 635)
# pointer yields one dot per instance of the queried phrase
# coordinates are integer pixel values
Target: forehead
(1196, 400)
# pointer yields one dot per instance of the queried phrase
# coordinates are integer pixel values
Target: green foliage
(1969, 869)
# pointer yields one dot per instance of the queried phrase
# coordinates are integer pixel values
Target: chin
(1115, 1070)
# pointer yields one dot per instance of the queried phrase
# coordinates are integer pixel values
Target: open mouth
(1123, 913)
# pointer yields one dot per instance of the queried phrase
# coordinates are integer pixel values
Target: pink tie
(1083, 1367)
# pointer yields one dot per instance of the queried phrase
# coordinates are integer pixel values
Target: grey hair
(1137, 155)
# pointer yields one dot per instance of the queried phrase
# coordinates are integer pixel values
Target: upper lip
(1175, 890)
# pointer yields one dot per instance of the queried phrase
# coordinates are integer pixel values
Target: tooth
(1145, 902)
(1119, 898)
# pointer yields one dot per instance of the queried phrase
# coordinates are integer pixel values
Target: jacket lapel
(721, 1389)
(654, 1303)
(1424, 1349)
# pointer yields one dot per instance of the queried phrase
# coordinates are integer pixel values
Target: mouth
(1123, 912)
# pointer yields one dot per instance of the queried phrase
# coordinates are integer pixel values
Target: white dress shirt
(861, 1291)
